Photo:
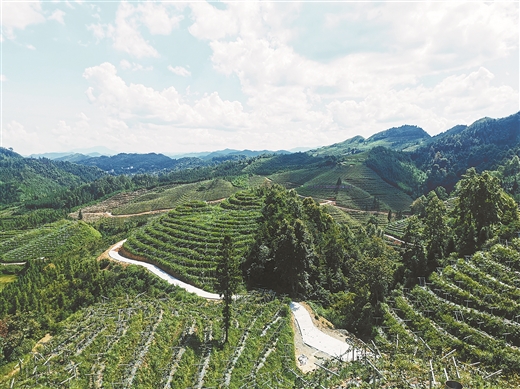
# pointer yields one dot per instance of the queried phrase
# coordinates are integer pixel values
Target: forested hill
(24, 179)
(484, 145)
(139, 163)
(405, 137)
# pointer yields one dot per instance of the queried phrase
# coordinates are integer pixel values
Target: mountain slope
(483, 145)
(396, 138)
(23, 179)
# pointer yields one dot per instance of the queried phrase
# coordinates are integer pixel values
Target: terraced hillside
(46, 241)
(170, 197)
(174, 342)
(470, 310)
(186, 241)
(361, 188)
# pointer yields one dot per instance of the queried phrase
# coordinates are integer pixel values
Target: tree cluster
(301, 251)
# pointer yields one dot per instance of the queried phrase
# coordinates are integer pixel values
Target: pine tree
(227, 280)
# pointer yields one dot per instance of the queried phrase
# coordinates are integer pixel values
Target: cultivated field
(174, 342)
(186, 241)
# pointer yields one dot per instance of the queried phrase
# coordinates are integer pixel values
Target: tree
(436, 230)
(414, 255)
(227, 280)
(481, 205)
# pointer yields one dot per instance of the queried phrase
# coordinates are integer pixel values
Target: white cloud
(179, 70)
(19, 15)
(212, 23)
(3, 78)
(126, 36)
(136, 101)
(126, 65)
(98, 30)
(157, 18)
(58, 15)
(31, 47)
(125, 32)
(19, 138)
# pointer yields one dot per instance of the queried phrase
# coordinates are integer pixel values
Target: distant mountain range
(406, 157)
(131, 163)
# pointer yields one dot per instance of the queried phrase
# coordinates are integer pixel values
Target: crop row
(141, 343)
(186, 241)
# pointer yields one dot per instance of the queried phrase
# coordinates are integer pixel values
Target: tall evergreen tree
(227, 280)
(481, 205)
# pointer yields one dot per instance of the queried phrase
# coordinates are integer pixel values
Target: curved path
(311, 335)
(114, 254)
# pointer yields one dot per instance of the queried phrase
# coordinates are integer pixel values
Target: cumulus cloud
(125, 32)
(19, 15)
(136, 101)
(179, 70)
(367, 90)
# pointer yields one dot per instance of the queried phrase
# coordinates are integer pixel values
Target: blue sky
(177, 77)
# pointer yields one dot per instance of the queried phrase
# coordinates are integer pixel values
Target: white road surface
(319, 340)
(311, 335)
(114, 254)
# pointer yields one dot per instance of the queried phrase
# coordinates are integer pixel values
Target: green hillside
(168, 197)
(186, 241)
(361, 188)
(484, 145)
(174, 342)
(23, 179)
(469, 306)
(47, 241)
(404, 138)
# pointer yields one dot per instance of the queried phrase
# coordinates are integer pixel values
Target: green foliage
(48, 242)
(397, 169)
(481, 205)
(26, 179)
(300, 250)
(145, 342)
(227, 275)
(482, 145)
(360, 185)
(186, 241)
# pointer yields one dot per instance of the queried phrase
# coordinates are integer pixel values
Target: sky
(177, 77)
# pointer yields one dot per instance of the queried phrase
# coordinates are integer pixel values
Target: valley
(353, 270)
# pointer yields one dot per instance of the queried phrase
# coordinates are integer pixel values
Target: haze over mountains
(407, 138)
(388, 169)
